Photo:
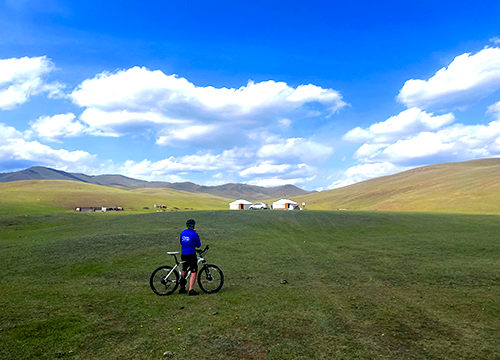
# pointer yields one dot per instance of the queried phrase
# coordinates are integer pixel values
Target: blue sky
(319, 94)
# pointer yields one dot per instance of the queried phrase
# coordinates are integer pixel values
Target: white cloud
(364, 172)
(495, 40)
(229, 160)
(303, 149)
(468, 79)
(366, 151)
(266, 168)
(22, 78)
(58, 127)
(140, 89)
(32, 151)
(119, 123)
(190, 134)
(183, 114)
(495, 109)
(406, 123)
(16, 149)
(455, 142)
(8, 133)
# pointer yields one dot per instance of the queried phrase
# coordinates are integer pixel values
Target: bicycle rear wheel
(210, 278)
(164, 280)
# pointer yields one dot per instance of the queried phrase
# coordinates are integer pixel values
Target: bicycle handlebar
(203, 251)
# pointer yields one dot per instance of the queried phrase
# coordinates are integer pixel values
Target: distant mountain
(44, 173)
(38, 173)
(231, 191)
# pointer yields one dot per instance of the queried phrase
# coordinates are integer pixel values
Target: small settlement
(282, 204)
(98, 208)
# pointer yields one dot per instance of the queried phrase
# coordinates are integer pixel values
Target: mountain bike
(165, 279)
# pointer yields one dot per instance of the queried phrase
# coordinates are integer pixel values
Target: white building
(284, 204)
(239, 205)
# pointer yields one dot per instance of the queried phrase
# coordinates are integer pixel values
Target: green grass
(360, 285)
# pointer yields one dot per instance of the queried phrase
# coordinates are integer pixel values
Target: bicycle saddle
(172, 252)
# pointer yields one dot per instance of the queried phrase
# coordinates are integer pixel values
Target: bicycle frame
(178, 264)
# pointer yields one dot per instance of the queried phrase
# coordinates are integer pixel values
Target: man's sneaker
(192, 292)
(182, 291)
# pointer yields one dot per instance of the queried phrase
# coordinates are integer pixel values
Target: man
(189, 242)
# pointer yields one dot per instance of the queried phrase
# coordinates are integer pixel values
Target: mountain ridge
(230, 190)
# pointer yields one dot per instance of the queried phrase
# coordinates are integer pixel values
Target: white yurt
(284, 204)
(239, 205)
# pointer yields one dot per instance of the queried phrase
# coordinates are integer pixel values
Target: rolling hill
(464, 187)
(31, 196)
(231, 191)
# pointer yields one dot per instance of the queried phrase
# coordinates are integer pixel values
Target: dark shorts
(190, 262)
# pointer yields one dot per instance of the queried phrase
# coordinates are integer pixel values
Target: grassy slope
(468, 187)
(56, 195)
(359, 286)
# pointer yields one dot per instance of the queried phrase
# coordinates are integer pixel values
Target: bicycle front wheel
(210, 278)
(164, 280)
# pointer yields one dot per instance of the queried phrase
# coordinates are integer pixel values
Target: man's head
(190, 223)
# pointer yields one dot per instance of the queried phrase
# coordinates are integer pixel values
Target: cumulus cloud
(9, 132)
(210, 135)
(468, 79)
(303, 149)
(364, 172)
(140, 89)
(265, 168)
(15, 148)
(183, 114)
(32, 151)
(57, 127)
(406, 123)
(25, 77)
(227, 165)
(229, 160)
(454, 142)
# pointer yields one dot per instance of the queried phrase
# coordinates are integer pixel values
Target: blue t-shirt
(189, 241)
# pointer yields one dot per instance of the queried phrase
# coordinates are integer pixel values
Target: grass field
(359, 285)
(42, 196)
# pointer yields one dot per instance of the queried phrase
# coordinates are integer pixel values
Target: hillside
(243, 191)
(231, 191)
(29, 196)
(465, 187)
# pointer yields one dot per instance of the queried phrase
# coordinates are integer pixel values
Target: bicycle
(165, 279)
